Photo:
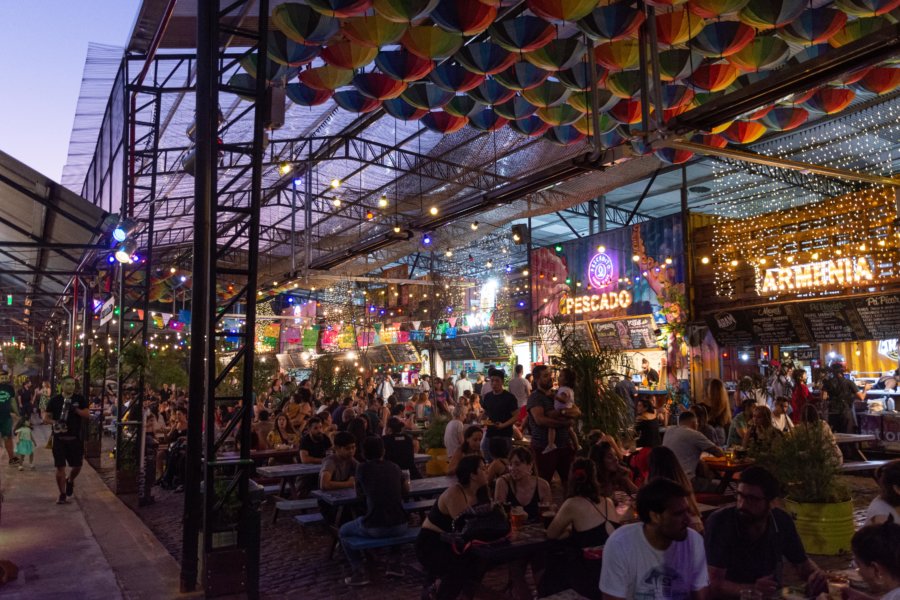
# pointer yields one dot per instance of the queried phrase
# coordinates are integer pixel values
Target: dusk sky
(44, 44)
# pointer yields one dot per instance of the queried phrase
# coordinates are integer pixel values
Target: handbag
(479, 525)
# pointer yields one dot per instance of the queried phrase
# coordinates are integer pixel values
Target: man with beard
(660, 558)
(747, 543)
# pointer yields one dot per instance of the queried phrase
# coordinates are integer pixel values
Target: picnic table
(725, 469)
(854, 440)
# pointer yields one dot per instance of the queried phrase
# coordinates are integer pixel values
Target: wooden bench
(367, 543)
(294, 505)
(857, 466)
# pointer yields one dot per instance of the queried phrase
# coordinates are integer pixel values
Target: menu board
(636, 333)
(454, 349)
(378, 355)
(404, 353)
(489, 345)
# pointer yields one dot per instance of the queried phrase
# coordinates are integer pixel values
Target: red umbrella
(744, 132)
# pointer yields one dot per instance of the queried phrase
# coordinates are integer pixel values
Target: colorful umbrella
(677, 63)
(404, 11)
(355, 102)
(618, 56)
(326, 77)
(612, 22)
(558, 55)
(431, 42)
(624, 84)
(441, 122)
(288, 52)
(403, 65)
(713, 77)
(578, 78)
(426, 96)
(462, 106)
(867, 8)
(452, 77)
(707, 139)
(400, 109)
(521, 76)
(677, 27)
(549, 93)
(855, 30)
(561, 10)
(723, 38)
(581, 101)
(764, 52)
(348, 55)
(491, 91)
(378, 85)
(785, 118)
(340, 9)
(468, 17)
(880, 80)
(565, 135)
(676, 96)
(771, 14)
(372, 30)
(522, 34)
(487, 120)
(712, 9)
(302, 24)
(484, 58)
(562, 114)
(515, 108)
(305, 95)
(529, 126)
(815, 26)
(626, 112)
(830, 100)
(744, 132)
(673, 156)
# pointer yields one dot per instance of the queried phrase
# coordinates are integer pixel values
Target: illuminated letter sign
(600, 270)
(829, 273)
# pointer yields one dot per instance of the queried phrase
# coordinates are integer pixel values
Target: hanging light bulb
(383, 201)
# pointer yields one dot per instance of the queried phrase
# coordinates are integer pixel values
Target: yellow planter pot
(824, 528)
(438, 463)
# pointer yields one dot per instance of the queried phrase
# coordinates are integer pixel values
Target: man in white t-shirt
(660, 558)
(520, 387)
(688, 444)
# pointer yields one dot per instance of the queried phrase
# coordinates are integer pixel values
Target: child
(563, 406)
(25, 443)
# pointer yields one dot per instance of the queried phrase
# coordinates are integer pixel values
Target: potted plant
(433, 438)
(816, 496)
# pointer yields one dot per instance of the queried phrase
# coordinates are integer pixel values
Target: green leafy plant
(433, 437)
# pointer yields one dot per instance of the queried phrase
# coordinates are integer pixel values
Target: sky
(44, 44)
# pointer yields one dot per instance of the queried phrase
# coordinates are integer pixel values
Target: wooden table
(854, 440)
(725, 470)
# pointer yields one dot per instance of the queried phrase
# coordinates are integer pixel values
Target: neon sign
(595, 303)
(600, 270)
(827, 273)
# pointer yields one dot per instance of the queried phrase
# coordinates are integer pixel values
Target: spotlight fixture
(383, 201)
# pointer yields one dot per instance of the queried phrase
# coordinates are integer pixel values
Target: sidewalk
(94, 547)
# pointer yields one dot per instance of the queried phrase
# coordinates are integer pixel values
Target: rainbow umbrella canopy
(612, 22)
(558, 55)
(785, 118)
(403, 65)
(677, 27)
(618, 56)
(372, 30)
(304, 95)
(353, 101)
(830, 100)
(400, 109)
(404, 11)
(867, 8)
(441, 122)
(744, 132)
(378, 85)
(713, 77)
(431, 42)
(522, 34)
(463, 105)
(426, 96)
(723, 38)
(468, 17)
(484, 58)
(549, 93)
(340, 9)
(453, 77)
(578, 78)
(303, 25)
(521, 76)
(348, 55)
(763, 52)
(326, 77)
(771, 14)
(713, 9)
(516, 107)
(564, 135)
(561, 10)
(491, 91)
(487, 119)
(814, 26)
(677, 63)
(289, 53)
(855, 30)
(529, 126)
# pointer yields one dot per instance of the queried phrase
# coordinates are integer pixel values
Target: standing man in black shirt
(67, 411)
(502, 411)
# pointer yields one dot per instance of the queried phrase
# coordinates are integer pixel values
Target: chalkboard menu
(819, 321)
(625, 334)
(489, 345)
(404, 353)
(378, 355)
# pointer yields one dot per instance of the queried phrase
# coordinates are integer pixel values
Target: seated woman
(521, 487)
(471, 446)
(663, 463)
(499, 447)
(887, 504)
(612, 475)
(586, 519)
(458, 573)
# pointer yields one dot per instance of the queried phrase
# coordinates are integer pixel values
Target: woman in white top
(887, 503)
(453, 434)
(876, 550)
